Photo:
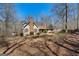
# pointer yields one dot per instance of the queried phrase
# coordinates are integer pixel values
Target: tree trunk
(66, 29)
(78, 17)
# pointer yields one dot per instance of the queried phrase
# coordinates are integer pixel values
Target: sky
(36, 10)
(33, 9)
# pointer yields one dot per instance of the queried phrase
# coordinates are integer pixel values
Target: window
(35, 30)
(26, 30)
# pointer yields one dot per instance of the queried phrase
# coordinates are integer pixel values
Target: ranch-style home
(31, 28)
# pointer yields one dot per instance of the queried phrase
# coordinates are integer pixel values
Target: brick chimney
(31, 24)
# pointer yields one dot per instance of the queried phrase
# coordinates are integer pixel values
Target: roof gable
(31, 24)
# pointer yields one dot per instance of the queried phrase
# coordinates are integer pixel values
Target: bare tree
(47, 20)
(78, 18)
(66, 29)
(61, 11)
(7, 16)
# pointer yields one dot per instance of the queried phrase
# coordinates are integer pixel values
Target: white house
(30, 28)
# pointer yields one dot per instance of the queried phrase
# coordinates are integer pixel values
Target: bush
(38, 33)
(45, 31)
(21, 34)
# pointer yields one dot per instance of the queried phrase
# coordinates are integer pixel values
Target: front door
(31, 33)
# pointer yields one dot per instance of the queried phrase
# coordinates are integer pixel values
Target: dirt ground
(44, 45)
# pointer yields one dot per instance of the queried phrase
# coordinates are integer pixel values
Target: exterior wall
(36, 28)
(26, 32)
(30, 29)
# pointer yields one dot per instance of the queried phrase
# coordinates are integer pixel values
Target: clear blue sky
(33, 9)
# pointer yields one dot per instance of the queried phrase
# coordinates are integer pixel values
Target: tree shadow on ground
(4, 42)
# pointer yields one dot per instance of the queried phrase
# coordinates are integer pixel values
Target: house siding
(37, 29)
(30, 29)
(26, 32)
